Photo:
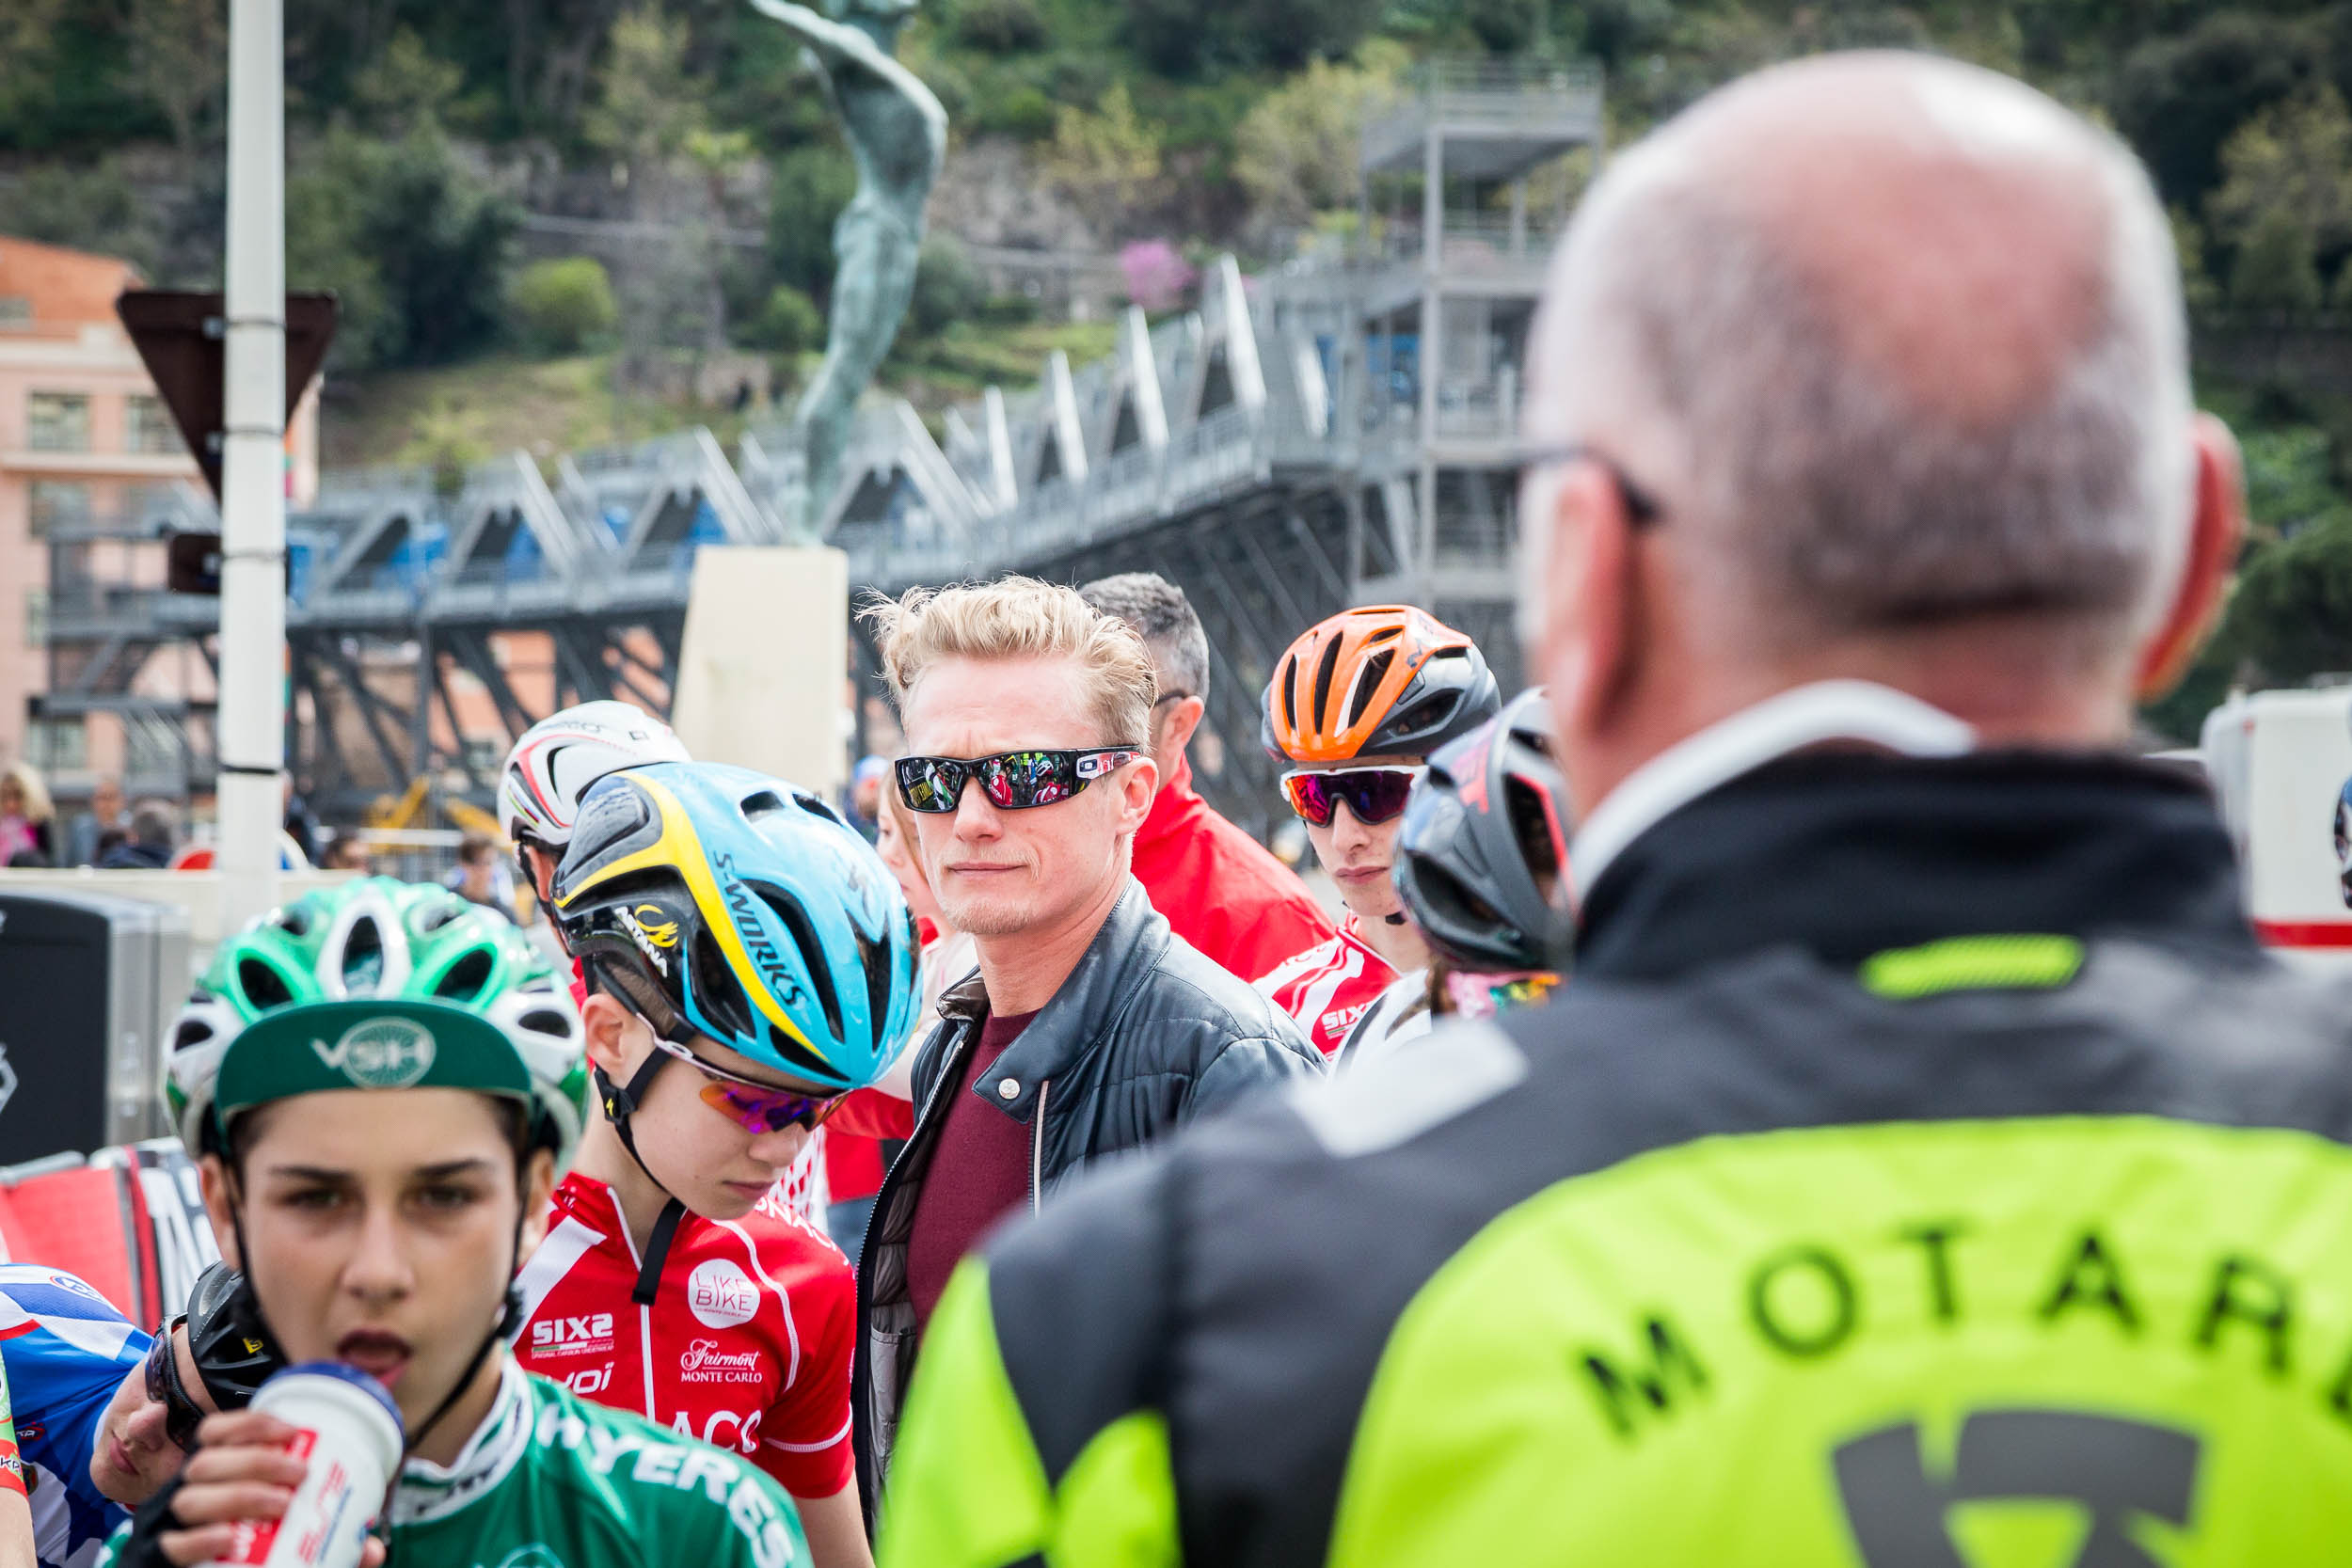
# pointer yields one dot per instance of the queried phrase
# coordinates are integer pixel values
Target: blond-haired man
(1091, 1027)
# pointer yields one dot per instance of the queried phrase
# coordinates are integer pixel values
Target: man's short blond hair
(1013, 618)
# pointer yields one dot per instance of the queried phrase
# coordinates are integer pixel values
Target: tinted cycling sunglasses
(1374, 795)
(754, 1107)
(182, 1415)
(1013, 781)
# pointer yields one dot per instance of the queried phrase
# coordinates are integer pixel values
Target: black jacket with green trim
(1144, 1035)
(1910, 1135)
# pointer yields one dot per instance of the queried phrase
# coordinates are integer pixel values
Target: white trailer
(2278, 762)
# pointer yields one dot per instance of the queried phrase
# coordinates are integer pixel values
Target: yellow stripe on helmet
(680, 849)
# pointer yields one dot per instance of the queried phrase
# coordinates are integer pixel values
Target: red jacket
(1220, 888)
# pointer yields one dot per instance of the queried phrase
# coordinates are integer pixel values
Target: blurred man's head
(1163, 618)
(154, 823)
(1875, 366)
(105, 800)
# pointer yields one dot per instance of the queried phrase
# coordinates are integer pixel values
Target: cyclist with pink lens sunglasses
(749, 961)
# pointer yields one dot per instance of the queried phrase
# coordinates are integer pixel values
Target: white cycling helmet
(559, 757)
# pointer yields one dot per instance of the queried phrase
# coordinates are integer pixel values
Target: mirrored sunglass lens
(1310, 799)
(761, 1110)
(1022, 779)
(1377, 797)
(931, 786)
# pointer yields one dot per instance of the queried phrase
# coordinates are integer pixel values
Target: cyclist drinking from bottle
(381, 1082)
(749, 961)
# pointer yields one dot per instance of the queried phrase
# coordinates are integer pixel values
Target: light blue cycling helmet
(719, 902)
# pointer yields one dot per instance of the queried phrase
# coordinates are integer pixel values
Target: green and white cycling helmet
(378, 984)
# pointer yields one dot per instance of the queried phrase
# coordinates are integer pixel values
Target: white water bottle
(347, 1432)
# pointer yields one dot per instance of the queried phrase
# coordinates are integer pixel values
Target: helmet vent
(1325, 668)
(1368, 681)
(816, 806)
(468, 977)
(1289, 682)
(1430, 713)
(294, 921)
(192, 1031)
(1386, 634)
(545, 1021)
(716, 989)
(1532, 826)
(787, 909)
(874, 957)
(758, 808)
(363, 956)
(264, 987)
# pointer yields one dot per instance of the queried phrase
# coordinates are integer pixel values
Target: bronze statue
(897, 136)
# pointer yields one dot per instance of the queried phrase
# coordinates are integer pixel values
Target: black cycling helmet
(233, 1349)
(1484, 834)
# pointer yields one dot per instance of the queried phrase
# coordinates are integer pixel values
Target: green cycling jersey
(551, 1481)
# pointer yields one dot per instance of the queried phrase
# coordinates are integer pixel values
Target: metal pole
(252, 493)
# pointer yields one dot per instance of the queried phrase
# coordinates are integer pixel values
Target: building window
(57, 421)
(147, 426)
(16, 310)
(37, 617)
(59, 503)
(58, 745)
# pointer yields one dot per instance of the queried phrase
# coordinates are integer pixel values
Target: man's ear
(212, 1179)
(1183, 717)
(1139, 781)
(1587, 653)
(2217, 528)
(605, 1022)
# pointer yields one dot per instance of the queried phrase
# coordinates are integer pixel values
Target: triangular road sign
(181, 337)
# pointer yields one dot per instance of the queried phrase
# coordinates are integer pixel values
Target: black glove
(141, 1548)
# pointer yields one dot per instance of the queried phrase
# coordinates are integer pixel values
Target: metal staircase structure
(1337, 432)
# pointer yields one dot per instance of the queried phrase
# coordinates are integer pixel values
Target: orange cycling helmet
(1382, 680)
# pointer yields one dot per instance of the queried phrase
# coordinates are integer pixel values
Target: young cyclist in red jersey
(749, 961)
(1354, 709)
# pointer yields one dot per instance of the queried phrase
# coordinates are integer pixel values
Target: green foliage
(1295, 151)
(2276, 272)
(807, 190)
(91, 207)
(1103, 156)
(947, 289)
(646, 108)
(1000, 27)
(412, 238)
(786, 323)
(2178, 98)
(2294, 157)
(1186, 37)
(1026, 112)
(563, 306)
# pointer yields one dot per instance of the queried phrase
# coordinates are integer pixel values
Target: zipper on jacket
(1037, 1146)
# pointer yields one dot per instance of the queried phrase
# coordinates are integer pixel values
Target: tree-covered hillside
(429, 138)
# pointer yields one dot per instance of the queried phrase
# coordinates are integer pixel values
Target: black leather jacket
(1144, 1035)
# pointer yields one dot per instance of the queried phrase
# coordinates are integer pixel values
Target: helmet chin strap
(620, 1102)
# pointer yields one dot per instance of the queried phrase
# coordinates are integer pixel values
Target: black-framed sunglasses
(182, 1415)
(1013, 781)
(1640, 505)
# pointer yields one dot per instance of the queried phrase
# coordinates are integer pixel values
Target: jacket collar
(1114, 965)
(1846, 854)
(1853, 713)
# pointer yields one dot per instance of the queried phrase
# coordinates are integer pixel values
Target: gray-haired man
(1923, 1127)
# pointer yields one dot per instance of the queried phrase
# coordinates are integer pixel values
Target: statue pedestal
(763, 667)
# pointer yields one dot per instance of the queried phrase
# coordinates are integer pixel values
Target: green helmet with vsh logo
(378, 984)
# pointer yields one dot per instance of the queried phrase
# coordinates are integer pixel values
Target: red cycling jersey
(1327, 988)
(746, 1346)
